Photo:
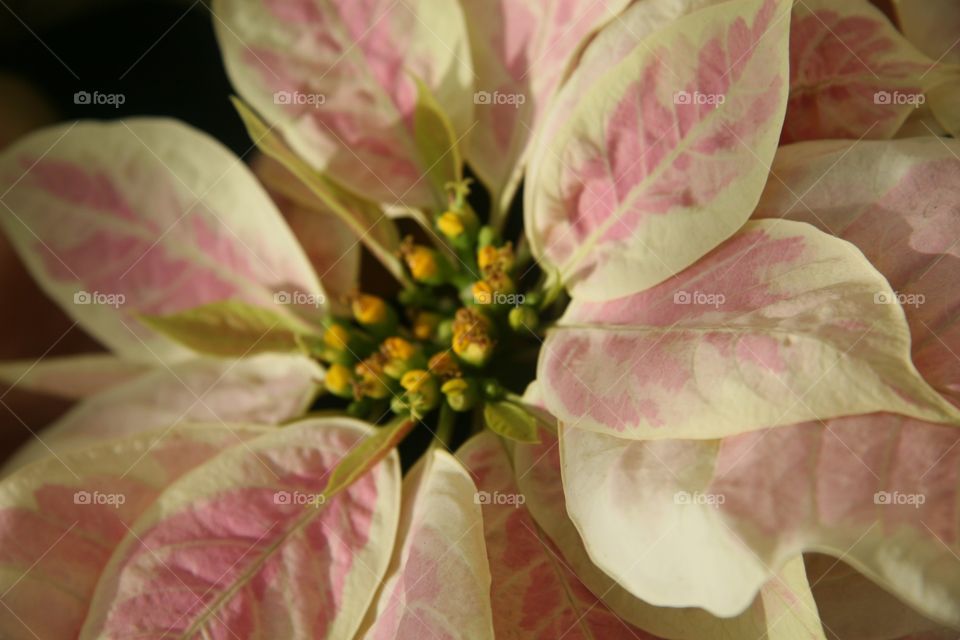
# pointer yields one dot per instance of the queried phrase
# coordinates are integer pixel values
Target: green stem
(445, 425)
(495, 217)
(478, 423)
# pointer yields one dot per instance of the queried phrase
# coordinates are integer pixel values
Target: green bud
(462, 393)
(445, 331)
(414, 297)
(523, 319)
(399, 405)
(487, 236)
(447, 305)
(422, 390)
(473, 349)
(533, 299)
(492, 389)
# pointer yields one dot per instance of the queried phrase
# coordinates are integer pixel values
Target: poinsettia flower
(735, 378)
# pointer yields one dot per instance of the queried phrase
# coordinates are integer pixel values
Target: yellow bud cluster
(495, 264)
(444, 366)
(425, 325)
(423, 262)
(371, 378)
(414, 381)
(337, 338)
(496, 259)
(482, 292)
(339, 380)
(397, 349)
(370, 310)
(451, 225)
(471, 337)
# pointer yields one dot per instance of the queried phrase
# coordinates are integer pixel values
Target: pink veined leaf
(70, 376)
(852, 74)
(934, 28)
(245, 546)
(144, 217)
(904, 219)
(337, 79)
(665, 155)
(852, 606)
(61, 518)
(265, 389)
(438, 585)
(534, 593)
(609, 47)
(879, 490)
(784, 609)
(333, 249)
(777, 325)
(521, 50)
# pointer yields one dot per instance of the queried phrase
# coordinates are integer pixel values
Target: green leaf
(511, 421)
(234, 328)
(365, 456)
(436, 142)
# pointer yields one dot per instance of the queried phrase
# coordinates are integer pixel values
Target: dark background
(163, 57)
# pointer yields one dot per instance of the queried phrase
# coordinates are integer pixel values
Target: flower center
(461, 333)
